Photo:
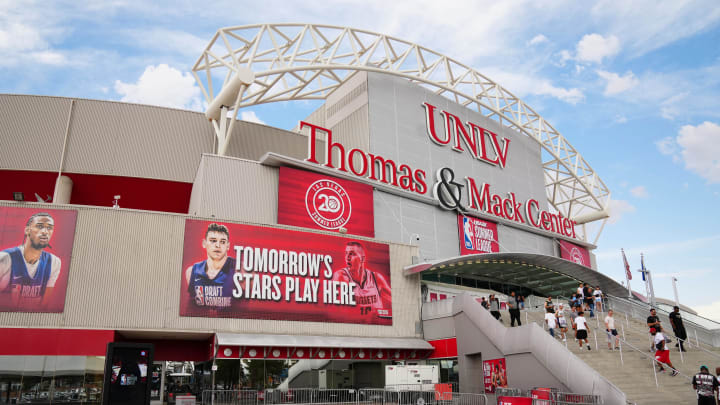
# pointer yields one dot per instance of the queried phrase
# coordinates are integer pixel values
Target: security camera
(416, 237)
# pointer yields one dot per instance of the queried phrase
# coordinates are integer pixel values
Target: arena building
(324, 249)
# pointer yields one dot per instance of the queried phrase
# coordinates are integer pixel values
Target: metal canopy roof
(547, 275)
(246, 339)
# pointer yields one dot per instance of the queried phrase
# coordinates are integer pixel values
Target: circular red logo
(328, 204)
(576, 256)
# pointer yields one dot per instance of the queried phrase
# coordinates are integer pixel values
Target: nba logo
(199, 296)
(468, 233)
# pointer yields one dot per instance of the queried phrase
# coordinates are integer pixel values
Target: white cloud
(522, 84)
(617, 84)
(711, 311)
(667, 146)
(163, 40)
(164, 86)
(639, 192)
(618, 208)
(250, 116)
(50, 58)
(701, 149)
(620, 119)
(646, 25)
(595, 48)
(538, 39)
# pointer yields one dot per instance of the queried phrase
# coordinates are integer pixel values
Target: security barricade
(230, 397)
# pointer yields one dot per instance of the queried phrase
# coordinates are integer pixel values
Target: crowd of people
(560, 318)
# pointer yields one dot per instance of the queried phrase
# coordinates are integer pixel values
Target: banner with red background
(574, 253)
(477, 235)
(317, 201)
(494, 374)
(285, 275)
(45, 290)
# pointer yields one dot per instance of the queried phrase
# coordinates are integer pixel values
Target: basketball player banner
(494, 375)
(574, 253)
(35, 251)
(317, 201)
(477, 235)
(254, 272)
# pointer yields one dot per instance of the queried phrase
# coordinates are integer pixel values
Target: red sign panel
(317, 201)
(494, 374)
(514, 401)
(574, 253)
(477, 235)
(35, 250)
(243, 271)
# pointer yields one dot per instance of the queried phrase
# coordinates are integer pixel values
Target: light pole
(674, 283)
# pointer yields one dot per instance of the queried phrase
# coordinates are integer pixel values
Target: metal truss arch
(309, 61)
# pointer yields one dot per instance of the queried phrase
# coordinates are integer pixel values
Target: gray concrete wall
(135, 257)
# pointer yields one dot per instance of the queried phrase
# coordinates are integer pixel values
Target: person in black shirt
(653, 322)
(484, 303)
(678, 327)
(513, 309)
(706, 386)
(549, 306)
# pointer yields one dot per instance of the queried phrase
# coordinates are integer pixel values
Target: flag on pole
(642, 266)
(628, 274)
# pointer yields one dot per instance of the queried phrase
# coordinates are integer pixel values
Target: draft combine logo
(328, 204)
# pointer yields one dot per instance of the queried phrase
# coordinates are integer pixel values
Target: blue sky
(634, 86)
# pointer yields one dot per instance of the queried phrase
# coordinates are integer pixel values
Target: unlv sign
(481, 144)
(462, 137)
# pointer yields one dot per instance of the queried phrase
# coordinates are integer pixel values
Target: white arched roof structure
(308, 61)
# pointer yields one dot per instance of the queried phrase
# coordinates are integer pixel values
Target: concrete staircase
(634, 374)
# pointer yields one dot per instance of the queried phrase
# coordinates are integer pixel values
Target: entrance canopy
(547, 275)
(260, 346)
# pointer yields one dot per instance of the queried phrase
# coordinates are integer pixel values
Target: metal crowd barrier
(367, 396)
(231, 397)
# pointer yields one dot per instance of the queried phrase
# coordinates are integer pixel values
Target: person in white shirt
(662, 354)
(562, 322)
(597, 295)
(551, 321)
(581, 332)
(611, 331)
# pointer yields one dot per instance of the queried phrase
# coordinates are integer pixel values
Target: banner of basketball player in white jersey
(35, 250)
(244, 271)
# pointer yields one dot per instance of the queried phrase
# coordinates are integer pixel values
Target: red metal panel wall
(444, 348)
(54, 342)
(99, 190)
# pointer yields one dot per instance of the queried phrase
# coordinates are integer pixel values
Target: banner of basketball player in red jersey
(244, 271)
(574, 253)
(35, 250)
(477, 235)
(317, 201)
(494, 375)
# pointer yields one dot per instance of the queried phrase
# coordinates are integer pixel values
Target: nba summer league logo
(328, 204)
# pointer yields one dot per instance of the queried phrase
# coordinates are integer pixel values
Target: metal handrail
(642, 352)
(666, 313)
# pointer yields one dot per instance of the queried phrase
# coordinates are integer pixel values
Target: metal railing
(374, 396)
(707, 332)
(554, 397)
